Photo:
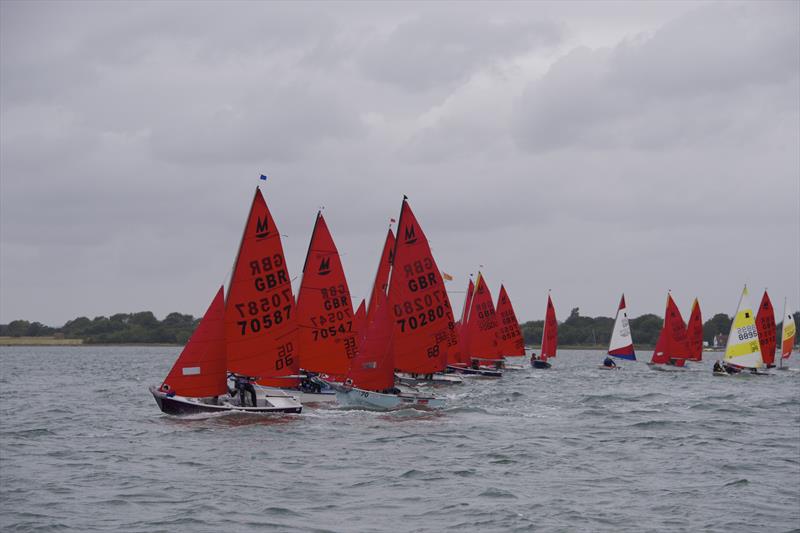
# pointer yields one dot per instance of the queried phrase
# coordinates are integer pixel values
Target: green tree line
(122, 328)
(176, 328)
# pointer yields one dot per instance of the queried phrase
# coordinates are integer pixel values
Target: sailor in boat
(719, 368)
(609, 362)
(243, 385)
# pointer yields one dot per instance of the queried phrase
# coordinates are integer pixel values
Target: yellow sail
(743, 348)
(789, 332)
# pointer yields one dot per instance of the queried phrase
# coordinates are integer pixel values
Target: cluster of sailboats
(750, 348)
(258, 348)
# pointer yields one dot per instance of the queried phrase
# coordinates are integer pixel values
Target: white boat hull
(436, 379)
(386, 402)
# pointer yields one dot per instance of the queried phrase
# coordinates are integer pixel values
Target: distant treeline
(176, 328)
(122, 328)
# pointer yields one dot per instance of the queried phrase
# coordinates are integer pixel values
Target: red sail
(673, 342)
(482, 325)
(460, 355)
(328, 336)
(511, 341)
(550, 333)
(467, 302)
(384, 267)
(424, 327)
(373, 367)
(360, 321)
(260, 323)
(695, 332)
(199, 370)
(767, 330)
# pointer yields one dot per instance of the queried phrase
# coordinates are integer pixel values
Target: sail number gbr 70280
(421, 311)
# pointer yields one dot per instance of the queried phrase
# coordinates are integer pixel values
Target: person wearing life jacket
(242, 385)
(609, 362)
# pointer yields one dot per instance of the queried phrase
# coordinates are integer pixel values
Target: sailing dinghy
(621, 343)
(743, 350)
(512, 344)
(767, 331)
(329, 329)
(248, 336)
(370, 382)
(549, 338)
(458, 357)
(423, 325)
(788, 332)
(694, 332)
(672, 347)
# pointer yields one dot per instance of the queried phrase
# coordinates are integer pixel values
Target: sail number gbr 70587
(262, 314)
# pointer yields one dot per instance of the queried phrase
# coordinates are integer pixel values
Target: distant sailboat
(251, 334)
(767, 330)
(476, 336)
(743, 350)
(512, 344)
(549, 337)
(672, 347)
(788, 332)
(694, 330)
(621, 344)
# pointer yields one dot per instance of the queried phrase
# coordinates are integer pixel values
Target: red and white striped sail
(767, 330)
(482, 325)
(511, 341)
(673, 342)
(260, 322)
(550, 332)
(621, 344)
(328, 336)
(788, 332)
(694, 330)
(424, 327)
(199, 370)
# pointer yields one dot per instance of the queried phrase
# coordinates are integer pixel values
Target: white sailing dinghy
(788, 333)
(621, 343)
(743, 350)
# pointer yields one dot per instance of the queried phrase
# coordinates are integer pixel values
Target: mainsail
(424, 327)
(743, 348)
(673, 343)
(511, 341)
(550, 332)
(788, 332)
(328, 336)
(482, 324)
(621, 344)
(381, 283)
(260, 323)
(199, 370)
(767, 330)
(695, 332)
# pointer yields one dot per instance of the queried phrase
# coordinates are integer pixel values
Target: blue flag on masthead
(263, 177)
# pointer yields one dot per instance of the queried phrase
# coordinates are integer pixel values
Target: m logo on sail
(411, 236)
(325, 266)
(262, 229)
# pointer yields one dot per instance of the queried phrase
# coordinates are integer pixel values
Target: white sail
(621, 344)
(743, 348)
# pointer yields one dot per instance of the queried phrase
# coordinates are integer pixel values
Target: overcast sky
(588, 148)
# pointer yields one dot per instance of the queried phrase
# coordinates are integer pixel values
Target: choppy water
(84, 447)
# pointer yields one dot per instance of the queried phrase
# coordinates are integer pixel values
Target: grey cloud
(687, 83)
(445, 48)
